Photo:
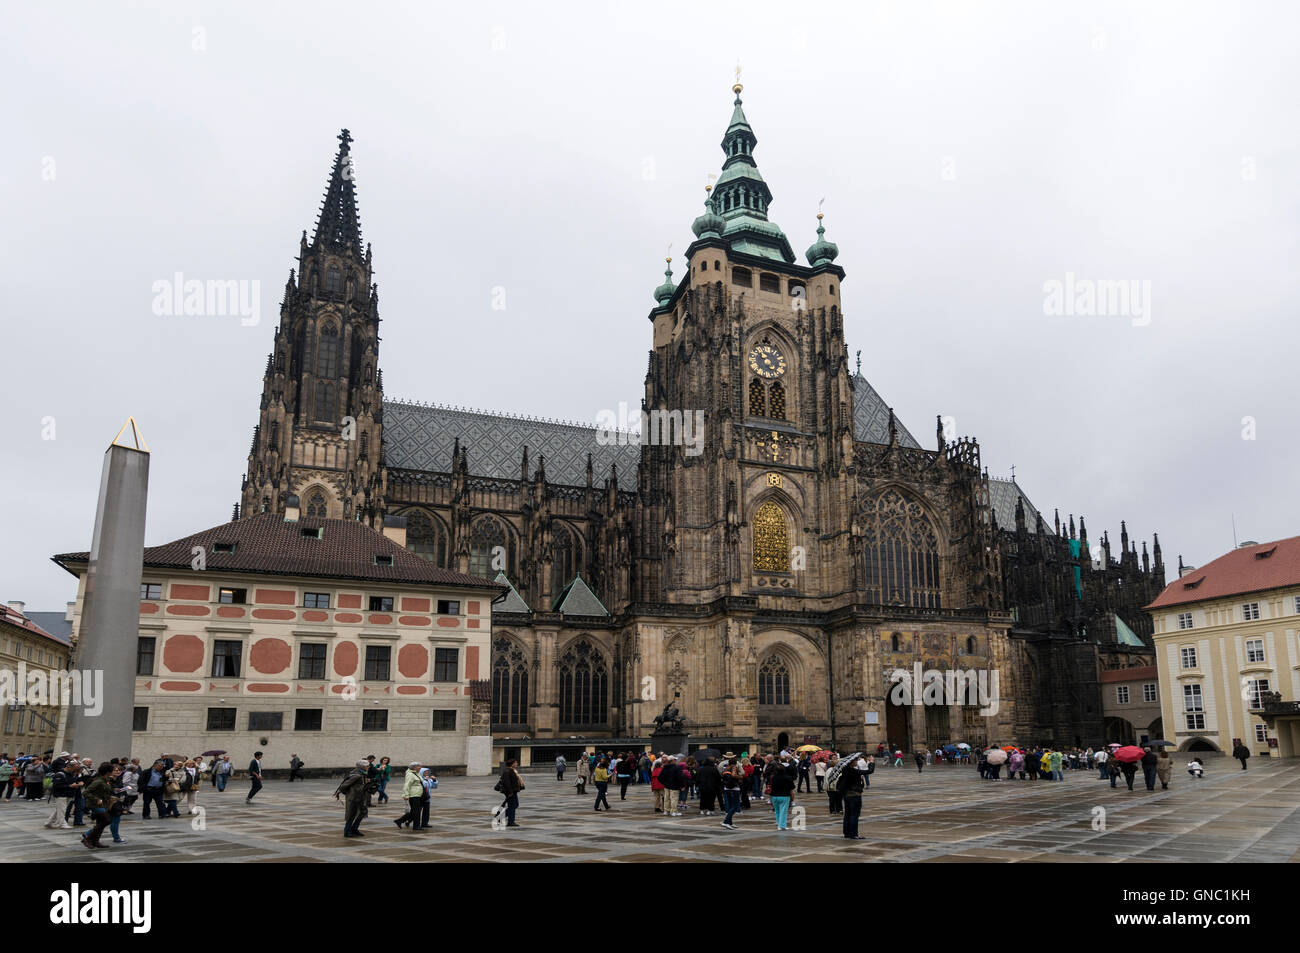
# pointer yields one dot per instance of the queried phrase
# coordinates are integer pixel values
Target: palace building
(771, 580)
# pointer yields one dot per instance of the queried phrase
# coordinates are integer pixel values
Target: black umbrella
(706, 753)
(213, 751)
(1161, 744)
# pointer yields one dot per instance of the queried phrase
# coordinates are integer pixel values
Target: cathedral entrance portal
(897, 724)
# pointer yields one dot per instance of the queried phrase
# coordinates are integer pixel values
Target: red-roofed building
(1227, 654)
(26, 647)
(315, 637)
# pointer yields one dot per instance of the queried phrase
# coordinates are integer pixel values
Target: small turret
(664, 293)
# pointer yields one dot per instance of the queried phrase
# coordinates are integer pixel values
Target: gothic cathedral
(775, 581)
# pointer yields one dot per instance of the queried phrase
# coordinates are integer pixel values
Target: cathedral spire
(339, 225)
(664, 293)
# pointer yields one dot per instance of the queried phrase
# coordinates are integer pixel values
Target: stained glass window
(900, 552)
(317, 508)
(584, 685)
(509, 684)
(773, 681)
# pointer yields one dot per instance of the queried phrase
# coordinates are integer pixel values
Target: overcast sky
(969, 154)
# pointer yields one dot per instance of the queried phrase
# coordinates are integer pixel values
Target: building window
(223, 547)
(386, 560)
(1188, 653)
(236, 597)
(316, 506)
(448, 607)
(151, 590)
(221, 719)
(140, 719)
(1193, 707)
(1184, 620)
(774, 682)
(265, 720)
(771, 539)
(1195, 721)
(757, 398)
(509, 684)
(311, 661)
(584, 685)
(1297, 603)
(776, 401)
(316, 600)
(1254, 650)
(333, 279)
(1250, 611)
(1261, 733)
(446, 665)
(327, 353)
(310, 532)
(307, 719)
(225, 659)
(444, 721)
(1150, 692)
(742, 277)
(487, 540)
(375, 719)
(425, 538)
(377, 659)
(1255, 689)
(381, 603)
(769, 282)
(564, 557)
(1121, 694)
(145, 646)
(900, 552)
(326, 401)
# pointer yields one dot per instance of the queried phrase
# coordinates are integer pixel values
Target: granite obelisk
(109, 626)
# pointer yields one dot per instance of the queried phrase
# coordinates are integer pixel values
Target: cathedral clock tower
(319, 435)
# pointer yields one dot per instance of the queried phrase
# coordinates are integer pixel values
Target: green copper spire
(741, 197)
(664, 293)
(822, 252)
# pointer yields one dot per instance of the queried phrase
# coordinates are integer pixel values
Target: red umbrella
(823, 755)
(1129, 753)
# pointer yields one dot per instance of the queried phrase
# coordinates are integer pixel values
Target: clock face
(766, 361)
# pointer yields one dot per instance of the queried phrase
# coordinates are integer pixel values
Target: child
(1196, 767)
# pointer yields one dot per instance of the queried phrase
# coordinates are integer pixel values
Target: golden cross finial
(737, 88)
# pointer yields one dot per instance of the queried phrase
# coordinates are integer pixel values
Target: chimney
(395, 529)
(69, 612)
(18, 607)
(291, 508)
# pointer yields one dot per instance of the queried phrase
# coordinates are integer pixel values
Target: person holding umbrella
(851, 783)
(1164, 768)
(1149, 768)
(1129, 757)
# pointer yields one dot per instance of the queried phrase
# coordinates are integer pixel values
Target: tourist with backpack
(733, 780)
(851, 784)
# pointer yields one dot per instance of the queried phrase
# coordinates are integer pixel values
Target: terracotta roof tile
(18, 620)
(1237, 573)
(265, 543)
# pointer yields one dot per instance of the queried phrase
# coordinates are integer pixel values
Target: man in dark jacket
(670, 776)
(295, 766)
(509, 786)
(851, 785)
(709, 780)
(805, 775)
(254, 776)
(354, 789)
(1149, 768)
(1241, 753)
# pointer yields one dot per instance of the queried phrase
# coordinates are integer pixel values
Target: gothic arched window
(584, 685)
(327, 353)
(565, 557)
(509, 684)
(757, 399)
(333, 280)
(487, 539)
(776, 401)
(326, 401)
(771, 539)
(425, 538)
(900, 552)
(774, 681)
(317, 507)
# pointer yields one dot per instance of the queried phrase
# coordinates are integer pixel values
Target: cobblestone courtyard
(946, 814)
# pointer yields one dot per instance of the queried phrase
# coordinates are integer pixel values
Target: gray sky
(968, 154)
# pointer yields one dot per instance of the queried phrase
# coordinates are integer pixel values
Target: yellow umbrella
(808, 748)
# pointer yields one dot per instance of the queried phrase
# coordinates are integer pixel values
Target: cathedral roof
(513, 602)
(871, 416)
(269, 544)
(1002, 498)
(577, 599)
(421, 437)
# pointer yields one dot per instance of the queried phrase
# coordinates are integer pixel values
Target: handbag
(171, 787)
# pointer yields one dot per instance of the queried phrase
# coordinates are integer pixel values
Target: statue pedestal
(669, 743)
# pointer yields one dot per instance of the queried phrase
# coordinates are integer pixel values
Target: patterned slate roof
(578, 599)
(871, 416)
(513, 602)
(421, 437)
(1002, 497)
(267, 543)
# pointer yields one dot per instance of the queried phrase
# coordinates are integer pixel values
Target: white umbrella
(962, 744)
(996, 756)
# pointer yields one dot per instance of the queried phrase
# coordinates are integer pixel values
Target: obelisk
(109, 629)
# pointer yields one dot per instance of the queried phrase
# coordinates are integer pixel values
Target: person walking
(560, 765)
(601, 777)
(60, 796)
(413, 791)
(79, 774)
(1100, 759)
(191, 786)
(584, 774)
(509, 785)
(295, 766)
(429, 782)
(656, 787)
(1149, 760)
(254, 776)
(1054, 764)
(1130, 771)
(733, 777)
(1196, 768)
(851, 784)
(353, 791)
(34, 778)
(709, 780)
(805, 775)
(624, 774)
(819, 772)
(1164, 768)
(1241, 753)
(130, 779)
(1016, 763)
(919, 757)
(670, 776)
(382, 775)
(7, 777)
(176, 777)
(99, 798)
(152, 783)
(222, 771)
(783, 791)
